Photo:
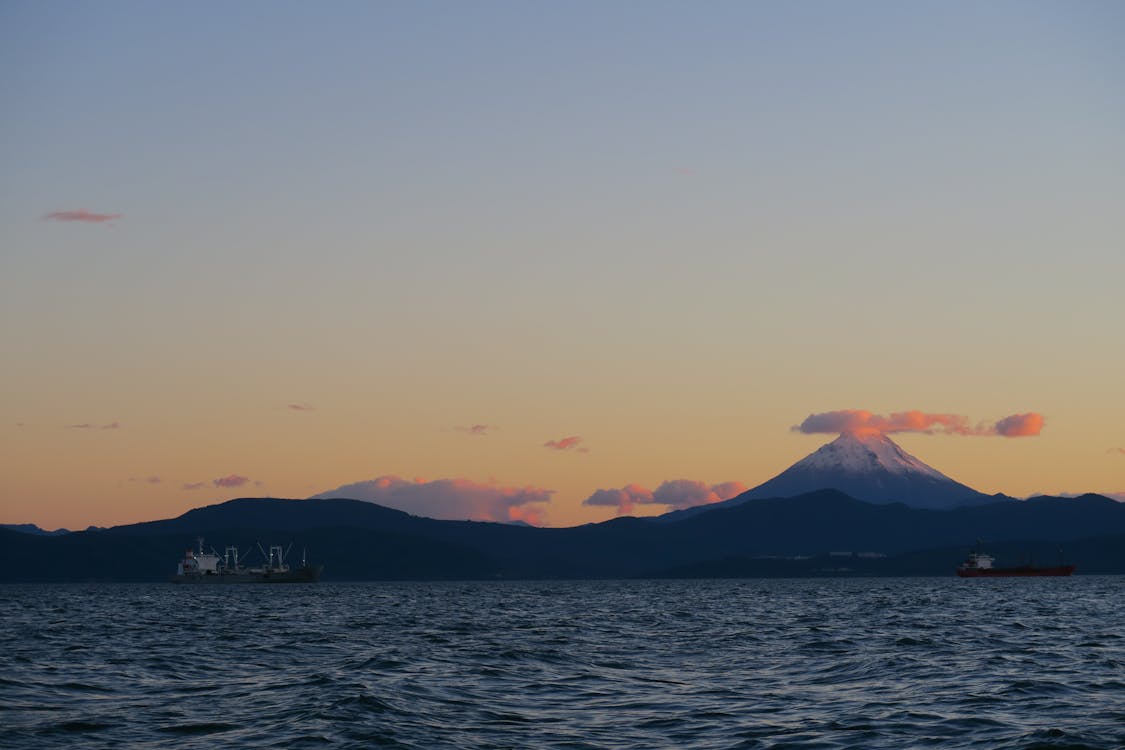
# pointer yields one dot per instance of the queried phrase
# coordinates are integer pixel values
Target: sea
(836, 663)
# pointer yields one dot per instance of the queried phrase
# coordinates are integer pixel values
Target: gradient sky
(324, 243)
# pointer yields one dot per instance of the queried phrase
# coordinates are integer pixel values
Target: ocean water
(854, 663)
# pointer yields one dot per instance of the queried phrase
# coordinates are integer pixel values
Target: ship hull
(1024, 571)
(308, 574)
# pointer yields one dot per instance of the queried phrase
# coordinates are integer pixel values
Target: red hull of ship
(1023, 571)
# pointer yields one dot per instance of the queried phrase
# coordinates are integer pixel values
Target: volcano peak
(867, 452)
(867, 465)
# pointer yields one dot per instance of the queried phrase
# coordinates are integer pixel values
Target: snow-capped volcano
(869, 466)
(864, 454)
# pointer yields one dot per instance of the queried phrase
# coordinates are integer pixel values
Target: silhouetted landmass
(30, 528)
(358, 540)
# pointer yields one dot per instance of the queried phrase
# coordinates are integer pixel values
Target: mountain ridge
(868, 466)
(358, 540)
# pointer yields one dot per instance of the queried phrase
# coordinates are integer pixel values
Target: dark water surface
(857, 663)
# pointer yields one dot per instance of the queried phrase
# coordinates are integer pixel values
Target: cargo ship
(979, 565)
(210, 567)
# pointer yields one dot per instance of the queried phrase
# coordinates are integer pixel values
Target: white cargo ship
(210, 567)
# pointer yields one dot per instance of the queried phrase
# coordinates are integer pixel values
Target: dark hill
(360, 540)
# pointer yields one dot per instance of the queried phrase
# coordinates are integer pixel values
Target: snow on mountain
(868, 466)
(865, 454)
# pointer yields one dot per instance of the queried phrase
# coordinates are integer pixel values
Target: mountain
(358, 540)
(30, 528)
(867, 466)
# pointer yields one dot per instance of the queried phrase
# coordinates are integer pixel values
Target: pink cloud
(685, 493)
(675, 494)
(80, 214)
(83, 426)
(231, 480)
(1020, 425)
(456, 499)
(863, 421)
(193, 485)
(623, 499)
(530, 514)
(566, 444)
(476, 429)
(300, 407)
(1117, 450)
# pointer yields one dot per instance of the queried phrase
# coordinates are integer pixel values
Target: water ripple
(1010, 664)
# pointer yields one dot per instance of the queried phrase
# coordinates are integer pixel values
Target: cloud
(300, 407)
(623, 499)
(1117, 450)
(87, 426)
(231, 480)
(685, 493)
(193, 486)
(80, 214)
(1020, 425)
(456, 499)
(572, 443)
(532, 515)
(863, 421)
(675, 494)
(476, 429)
(150, 479)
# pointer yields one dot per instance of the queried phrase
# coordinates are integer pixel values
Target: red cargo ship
(979, 565)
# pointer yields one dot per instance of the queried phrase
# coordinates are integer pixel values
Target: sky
(494, 258)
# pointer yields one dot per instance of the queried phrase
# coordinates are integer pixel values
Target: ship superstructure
(198, 566)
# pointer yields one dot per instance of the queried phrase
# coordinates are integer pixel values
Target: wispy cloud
(193, 485)
(861, 420)
(300, 407)
(1120, 451)
(476, 429)
(674, 494)
(88, 426)
(80, 214)
(231, 480)
(149, 480)
(571, 443)
(456, 499)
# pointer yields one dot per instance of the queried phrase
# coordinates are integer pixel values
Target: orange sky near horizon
(549, 250)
